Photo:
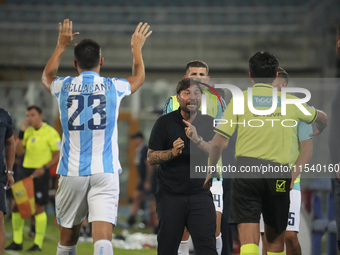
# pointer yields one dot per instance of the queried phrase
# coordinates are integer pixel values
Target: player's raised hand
(178, 146)
(65, 33)
(139, 36)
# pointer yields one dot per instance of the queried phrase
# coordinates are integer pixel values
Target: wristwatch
(201, 139)
(9, 172)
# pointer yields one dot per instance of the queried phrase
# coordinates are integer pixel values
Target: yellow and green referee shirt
(40, 145)
(266, 137)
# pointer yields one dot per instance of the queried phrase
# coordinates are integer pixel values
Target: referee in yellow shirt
(41, 144)
(262, 141)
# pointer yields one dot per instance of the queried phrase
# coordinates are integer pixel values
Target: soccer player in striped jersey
(89, 161)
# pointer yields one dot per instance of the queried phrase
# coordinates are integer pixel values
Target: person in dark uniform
(7, 145)
(176, 139)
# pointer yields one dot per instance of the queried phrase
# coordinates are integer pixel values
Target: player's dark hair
(186, 83)
(263, 67)
(197, 63)
(281, 73)
(87, 54)
(35, 107)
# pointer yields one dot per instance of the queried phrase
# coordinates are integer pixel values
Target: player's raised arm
(64, 39)
(137, 41)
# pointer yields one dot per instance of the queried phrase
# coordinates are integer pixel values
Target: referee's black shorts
(266, 194)
(40, 185)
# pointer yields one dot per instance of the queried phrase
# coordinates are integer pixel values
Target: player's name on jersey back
(86, 88)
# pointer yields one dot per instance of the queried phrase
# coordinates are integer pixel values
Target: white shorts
(294, 212)
(217, 193)
(96, 195)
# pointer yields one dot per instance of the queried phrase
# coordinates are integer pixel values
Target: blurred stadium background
(301, 33)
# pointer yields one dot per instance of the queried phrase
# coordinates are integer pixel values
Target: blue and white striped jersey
(88, 106)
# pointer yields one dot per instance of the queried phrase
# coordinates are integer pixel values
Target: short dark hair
(35, 107)
(186, 83)
(282, 73)
(87, 54)
(263, 67)
(197, 63)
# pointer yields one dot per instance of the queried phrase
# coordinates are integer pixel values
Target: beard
(189, 110)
